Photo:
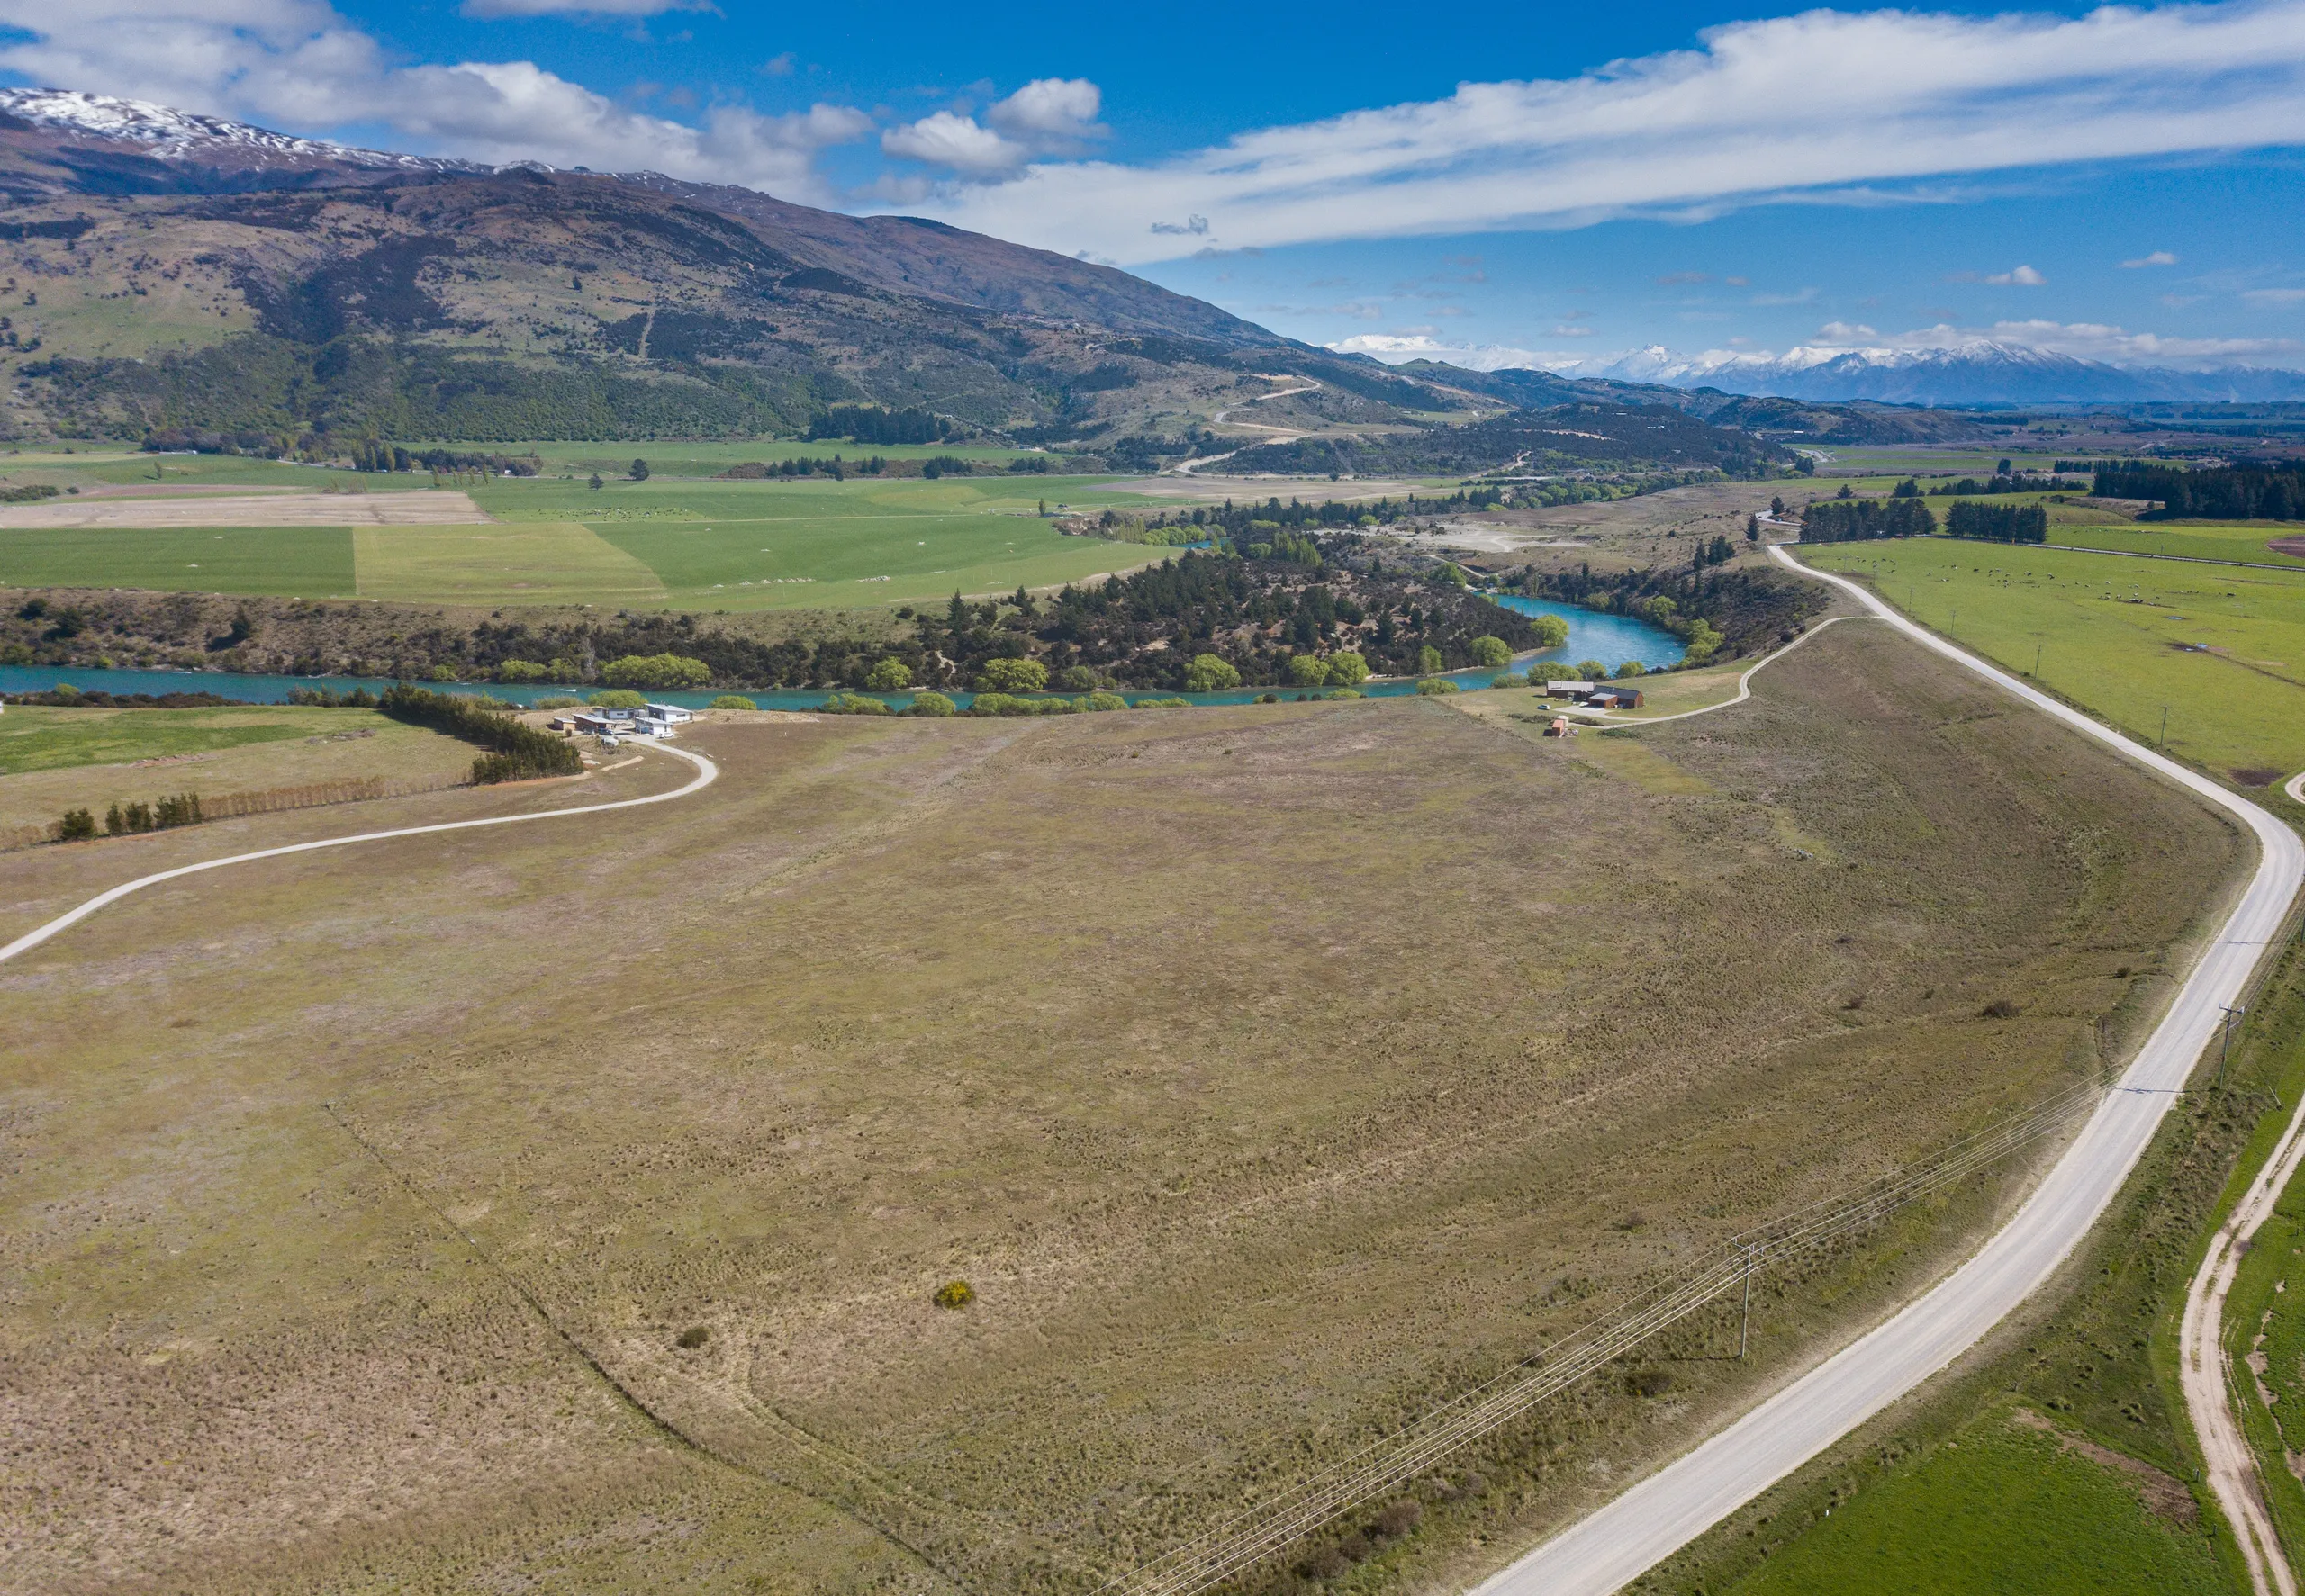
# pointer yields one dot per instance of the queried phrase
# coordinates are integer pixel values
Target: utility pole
(1745, 1327)
(2165, 726)
(2036, 659)
(2224, 1041)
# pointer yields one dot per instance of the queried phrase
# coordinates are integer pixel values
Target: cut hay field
(2109, 632)
(1269, 1073)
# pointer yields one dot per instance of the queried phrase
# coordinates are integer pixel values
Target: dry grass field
(558, 1208)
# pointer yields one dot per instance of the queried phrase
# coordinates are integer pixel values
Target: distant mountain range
(174, 271)
(1969, 373)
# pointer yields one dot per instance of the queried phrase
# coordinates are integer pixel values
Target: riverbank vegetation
(1401, 612)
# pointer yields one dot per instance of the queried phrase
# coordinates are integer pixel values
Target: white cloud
(504, 8)
(2158, 258)
(1048, 116)
(1778, 109)
(1395, 348)
(2086, 340)
(296, 63)
(947, 139)
(2274, 296)
(2024, 277)
(1061, 110)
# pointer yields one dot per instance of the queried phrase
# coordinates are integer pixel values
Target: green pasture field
(1998, 1508)
(710, 459)
(1901, 463)
(2107, 631)
(526, 563)
(38, 737)
(811, 543)
(119, 463)
(296, 562)
(54, 758)
(2199, 540)
(670, 541)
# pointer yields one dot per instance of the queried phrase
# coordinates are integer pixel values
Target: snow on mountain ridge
(178, 134)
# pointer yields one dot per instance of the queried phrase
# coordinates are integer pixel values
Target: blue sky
(1507, 184)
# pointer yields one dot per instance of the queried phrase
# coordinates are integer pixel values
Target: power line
(1251, 1537)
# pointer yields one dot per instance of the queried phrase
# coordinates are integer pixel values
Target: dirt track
(420, 508)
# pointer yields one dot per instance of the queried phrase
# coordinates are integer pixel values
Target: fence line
(1385, 1466)
(272, 800)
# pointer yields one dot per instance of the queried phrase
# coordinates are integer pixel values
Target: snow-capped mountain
(184, 138)
(1977, 372)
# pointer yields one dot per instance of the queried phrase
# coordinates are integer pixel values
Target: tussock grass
(1269, 1074)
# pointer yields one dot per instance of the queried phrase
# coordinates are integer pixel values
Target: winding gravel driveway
(706, 773)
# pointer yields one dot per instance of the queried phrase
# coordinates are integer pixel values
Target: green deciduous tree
(931, 704)
(1428, 660)
(888, 676)
(1347, 670)
(1308, 670)
(1210, 673)
(618, 698)
(659, 670)
(1491, 651)
(733, 702)
(1012, 676)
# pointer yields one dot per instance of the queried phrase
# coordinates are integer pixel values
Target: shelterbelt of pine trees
(1856, 520)
(1998, 523)
(2220, 493)
(517, 752)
